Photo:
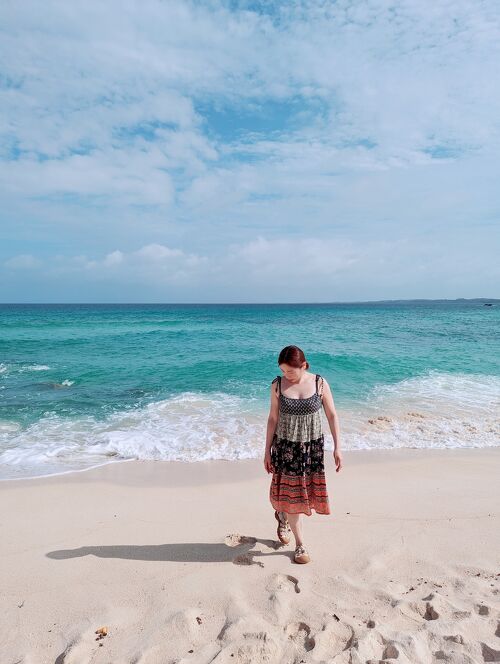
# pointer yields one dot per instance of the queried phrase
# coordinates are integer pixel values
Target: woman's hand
(337, 456)
(267, 462)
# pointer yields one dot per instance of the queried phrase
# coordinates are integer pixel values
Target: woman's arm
(333, 421)
(272, 419)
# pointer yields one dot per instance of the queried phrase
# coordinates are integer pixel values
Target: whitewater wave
(189, 427)
(438, 410)
(22, 368)
(432, 411)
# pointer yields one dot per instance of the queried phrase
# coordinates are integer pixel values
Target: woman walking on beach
(295, 446)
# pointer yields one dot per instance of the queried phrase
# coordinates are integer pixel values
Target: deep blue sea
(82, 385)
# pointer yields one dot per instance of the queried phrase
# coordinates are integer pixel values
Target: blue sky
(249, 151)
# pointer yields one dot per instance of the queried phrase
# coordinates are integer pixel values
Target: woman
(295, 446)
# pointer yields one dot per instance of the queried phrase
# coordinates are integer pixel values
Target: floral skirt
(298, 484)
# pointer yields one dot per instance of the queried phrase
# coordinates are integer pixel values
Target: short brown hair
(293, 356)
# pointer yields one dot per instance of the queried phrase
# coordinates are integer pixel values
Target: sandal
(301, 555)
(283, 528)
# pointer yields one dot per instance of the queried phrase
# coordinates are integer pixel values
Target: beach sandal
(301, 555)
(283, 528)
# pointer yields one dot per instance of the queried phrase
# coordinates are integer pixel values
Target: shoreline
(181, 563)
(359, 454)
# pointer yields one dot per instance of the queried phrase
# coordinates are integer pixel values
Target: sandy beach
(180, 563)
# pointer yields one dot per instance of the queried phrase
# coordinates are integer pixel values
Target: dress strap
(317, 379)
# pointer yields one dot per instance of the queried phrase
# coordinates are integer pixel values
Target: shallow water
(82, 385)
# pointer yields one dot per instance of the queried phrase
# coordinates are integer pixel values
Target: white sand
(146, 549)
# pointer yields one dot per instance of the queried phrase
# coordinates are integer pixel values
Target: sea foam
(432, 411)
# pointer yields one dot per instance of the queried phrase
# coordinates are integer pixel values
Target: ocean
(84, 384)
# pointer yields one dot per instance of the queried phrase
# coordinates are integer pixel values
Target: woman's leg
(296, 526)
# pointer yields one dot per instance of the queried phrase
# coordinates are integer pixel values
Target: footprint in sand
(430, 612)
(483, 610)
(246, 557)
(247, 648)
(390, 651)
(335, 637)
(436, 606)
(300, 635)
(455, 638)
(281, 587)
(489, 654)
(235, 539)
(248, 638)
(283, 582)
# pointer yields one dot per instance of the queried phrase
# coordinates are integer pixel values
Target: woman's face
(292, 374)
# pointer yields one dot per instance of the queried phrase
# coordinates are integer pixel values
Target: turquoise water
(82, 385)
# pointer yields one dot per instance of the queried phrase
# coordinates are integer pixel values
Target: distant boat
(488, 304)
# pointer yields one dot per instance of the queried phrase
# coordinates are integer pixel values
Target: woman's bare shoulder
(324, 382)
(327, 389)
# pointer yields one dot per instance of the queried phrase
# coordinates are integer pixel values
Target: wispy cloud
(239, 129)
(264, 269)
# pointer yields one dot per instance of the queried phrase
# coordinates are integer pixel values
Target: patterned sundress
(297, 455)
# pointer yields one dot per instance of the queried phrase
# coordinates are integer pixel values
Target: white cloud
(114, 258)
(150, 264)
(278, 269)
(23, 262)
(157, 252)
(112, 138)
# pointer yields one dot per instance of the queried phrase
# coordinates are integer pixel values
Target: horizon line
(457, 299)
